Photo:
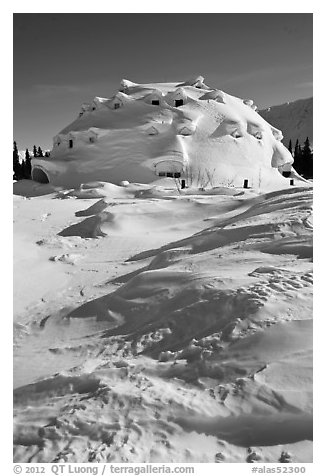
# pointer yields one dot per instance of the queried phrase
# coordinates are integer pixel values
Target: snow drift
(152, 326)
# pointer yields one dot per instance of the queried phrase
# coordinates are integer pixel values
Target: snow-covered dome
(190, 134)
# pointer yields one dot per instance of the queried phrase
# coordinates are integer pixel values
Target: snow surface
(154, 324)
(211, 139)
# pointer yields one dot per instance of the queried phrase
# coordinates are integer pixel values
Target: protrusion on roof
(91, 135)
(84, 108)
(277, 133)
(57, 140)
(177, 98)
(215, 95)
(117, 101)
(187, 129)
(197, 82)
(248, 102)
(281, 155)
(125, 84)
(254, 107)
(152, 131)
(255, 130)
(232, 127)
(154, 98)
(98, 102)
(236, 134)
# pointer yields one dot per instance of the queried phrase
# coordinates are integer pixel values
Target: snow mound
(197, 135)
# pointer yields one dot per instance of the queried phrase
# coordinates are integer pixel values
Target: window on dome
(155, 102)
(71, 143)
(178, 102)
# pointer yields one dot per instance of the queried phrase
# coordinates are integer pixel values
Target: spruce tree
(307, 159)
(34, 151)
(27, 165)
(297, 164)
(16, 164)
(290, 147)
(39, 152)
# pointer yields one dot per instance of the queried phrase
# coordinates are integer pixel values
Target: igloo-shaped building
(183, 130)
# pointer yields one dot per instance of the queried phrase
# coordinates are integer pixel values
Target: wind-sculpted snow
(183, 332)
(195, 133)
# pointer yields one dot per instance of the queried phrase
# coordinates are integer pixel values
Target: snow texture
(154, 324)
(185, 130)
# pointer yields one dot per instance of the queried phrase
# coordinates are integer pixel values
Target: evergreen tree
(34, 151)
(39, 152)
(307, 159)
(297, 164)
(16, 164)
(27, 165)
(290, 147)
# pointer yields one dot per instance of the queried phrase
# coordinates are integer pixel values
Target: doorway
(39, 176)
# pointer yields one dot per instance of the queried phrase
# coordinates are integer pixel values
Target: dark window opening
(93, 108)
(91, 139)
(286, 173)
(116, 106)
(170, 174)
(178, 102)
(71, 143)
(156, 102)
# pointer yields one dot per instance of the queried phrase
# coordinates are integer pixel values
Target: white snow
(154, 324)
(216, 139)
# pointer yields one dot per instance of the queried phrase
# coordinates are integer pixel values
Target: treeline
(303, 158)
(23, 169)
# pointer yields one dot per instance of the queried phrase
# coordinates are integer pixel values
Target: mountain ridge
(295, 119)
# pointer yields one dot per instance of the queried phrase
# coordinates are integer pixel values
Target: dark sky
(62, 60)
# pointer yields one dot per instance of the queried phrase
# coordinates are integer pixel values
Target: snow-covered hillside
(184, 130)
(295, 119)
